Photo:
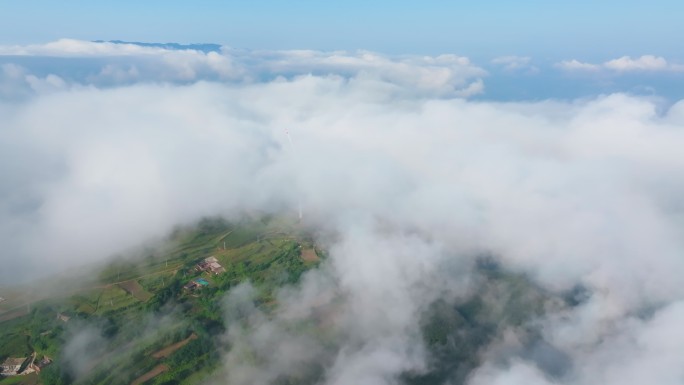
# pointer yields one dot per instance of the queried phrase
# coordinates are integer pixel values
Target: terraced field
(149, 330)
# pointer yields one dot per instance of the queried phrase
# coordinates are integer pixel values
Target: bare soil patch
(309, 255)
(169, 350)
(136, 290)
(12, 314)
(159, 369)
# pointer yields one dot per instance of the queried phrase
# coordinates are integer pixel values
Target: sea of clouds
(387, 153)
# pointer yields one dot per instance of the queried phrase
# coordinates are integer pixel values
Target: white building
(11, 366)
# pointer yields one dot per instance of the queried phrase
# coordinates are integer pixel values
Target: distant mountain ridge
(204, 47)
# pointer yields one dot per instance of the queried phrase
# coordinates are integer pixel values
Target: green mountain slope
(158, 319)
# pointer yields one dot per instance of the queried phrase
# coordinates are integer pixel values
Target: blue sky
(582, 29)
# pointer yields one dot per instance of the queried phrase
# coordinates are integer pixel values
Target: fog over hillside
(404, 178)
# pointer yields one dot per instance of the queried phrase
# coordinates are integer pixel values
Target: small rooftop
(13, 361)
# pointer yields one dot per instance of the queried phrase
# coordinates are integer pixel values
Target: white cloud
(79, 48)
(48, 84)
(623, 64)
(574, 64)
(519, 373)
(513, 63)
(119, 74)
(643, 63)
(509, 170)
(17, 83)
(442, 74)
(586, 192)
(12, 71)
(127, 62)
(621, 349)
(335, 111)
(12, 82)
(120, 64)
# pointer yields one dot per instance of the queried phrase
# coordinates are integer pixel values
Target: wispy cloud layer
(513, 63)
(624, 64)
(80, 48)
(125, 63)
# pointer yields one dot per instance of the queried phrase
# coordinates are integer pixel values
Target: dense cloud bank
(73, 64)
(587, 192)
(29, 70)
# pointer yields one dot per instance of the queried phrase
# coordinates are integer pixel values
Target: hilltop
(163, 318)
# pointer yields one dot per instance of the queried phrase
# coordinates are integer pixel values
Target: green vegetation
(142, 326)
(30, 379)
(138, 306)
(15, 345)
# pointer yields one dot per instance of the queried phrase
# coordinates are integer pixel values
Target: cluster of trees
(56, 374)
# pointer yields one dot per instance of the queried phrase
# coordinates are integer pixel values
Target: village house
(44, 362)
(196, 283)
(211, 264)
(11, 366)
(32, 367)
(63, 318)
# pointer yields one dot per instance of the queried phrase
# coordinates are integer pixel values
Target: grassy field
(15, 345)
(114, 298)
(156, 282)
(12, 314)
(136, 290)
(29, 379)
